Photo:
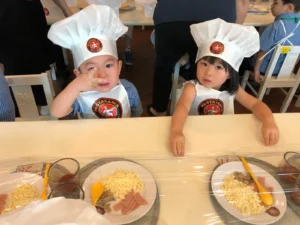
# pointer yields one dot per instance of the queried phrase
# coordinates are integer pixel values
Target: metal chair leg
(245, 79)
(288, 99)
(174, 87)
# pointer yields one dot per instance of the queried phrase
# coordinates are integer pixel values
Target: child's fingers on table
(174, 148)
(266, 136)
(177, 147)
(276, 137)
(272, 138)
(180, 148)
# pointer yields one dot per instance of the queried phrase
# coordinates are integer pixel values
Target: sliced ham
(1, 207)
(133, 205)
(261, 180)
(118, 206)
(3, 197)
(130, 203)
(139, 199)
(128, 199)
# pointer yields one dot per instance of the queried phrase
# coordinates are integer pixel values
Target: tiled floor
(141, 73)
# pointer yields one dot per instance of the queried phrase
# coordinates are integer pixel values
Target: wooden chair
(285, 79)
(21, 88)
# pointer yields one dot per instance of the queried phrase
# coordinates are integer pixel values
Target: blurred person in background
(7, 108)
(24, 46)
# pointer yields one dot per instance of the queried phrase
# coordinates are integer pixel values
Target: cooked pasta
(21, 196)
(122, 182)
(241, 196)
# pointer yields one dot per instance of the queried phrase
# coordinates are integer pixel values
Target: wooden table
(183, 182)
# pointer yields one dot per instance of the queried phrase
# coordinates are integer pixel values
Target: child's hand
(257, 76)
(270, 133)
(177, 142)
(88, 81)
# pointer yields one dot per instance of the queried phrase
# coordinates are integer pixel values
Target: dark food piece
(103, 201)
(246, 179)
(106, 197)
(273, 211)
(107, 208)
(66, 177)
(100, 210)
(288, 174)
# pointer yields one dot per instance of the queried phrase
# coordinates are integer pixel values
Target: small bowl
(67, 190)
(289, 168)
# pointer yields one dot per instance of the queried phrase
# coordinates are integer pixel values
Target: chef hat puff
(91, 32)
(227, 41)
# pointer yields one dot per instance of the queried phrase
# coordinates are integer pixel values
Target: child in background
(284, 31)
(221, 49)
(7, 108)
(91, 35)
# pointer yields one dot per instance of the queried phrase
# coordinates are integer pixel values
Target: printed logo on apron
(112, 104)
(209, 101)
(211, 106)
(106, 108)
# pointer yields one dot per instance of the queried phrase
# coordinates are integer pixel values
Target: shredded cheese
(122, 182)
(241, 196)
(21, 196)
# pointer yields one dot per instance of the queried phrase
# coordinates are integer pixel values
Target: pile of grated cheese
(21, 196)
(241, 196)
(122, 182)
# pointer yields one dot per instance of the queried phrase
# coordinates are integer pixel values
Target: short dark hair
(296, 4)
(231, 85)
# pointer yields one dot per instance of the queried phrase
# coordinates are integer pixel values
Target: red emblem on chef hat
(46, 11)
(106, 108)
(217, 47)
(211, 106)
(94, 45)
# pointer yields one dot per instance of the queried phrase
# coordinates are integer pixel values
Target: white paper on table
(56, 211)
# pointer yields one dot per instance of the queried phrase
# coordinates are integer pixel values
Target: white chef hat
(91, 32)
(227, 41)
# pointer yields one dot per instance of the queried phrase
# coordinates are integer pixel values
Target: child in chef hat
(97, 91)
(221, 49)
